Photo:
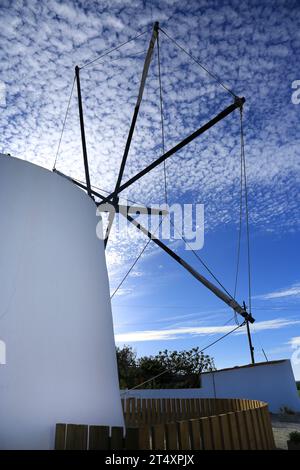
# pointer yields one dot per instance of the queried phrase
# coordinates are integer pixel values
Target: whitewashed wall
(55, 313)
(271, 382)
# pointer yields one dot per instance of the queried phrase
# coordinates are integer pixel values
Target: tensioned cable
(213, 75)
(260, 342)
(130, 269)
(193, 251)
(239, 232)
(162, 118)
(109, 51)
(240, 227)
(108, 192)
(201, 260)
(181, 236)
(137, 259)
(64, 123)
(116, 59)
(201, 350)
(247, 210)
(165, 176)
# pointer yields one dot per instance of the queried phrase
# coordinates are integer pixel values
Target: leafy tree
(153, 368)
(168, 369)
(127, 367)
(186, 366)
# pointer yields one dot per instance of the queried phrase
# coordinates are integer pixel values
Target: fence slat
(163, 409)
(233, 429)
(196, 438)
(188, 410)
(177, 424)
(172, 436)
(197, 408)
(153, 411)
(204, 405)
(225, 432)
(168, 409)
(149, 410)
(263, 440)
(132, 439)
(158, 436)
(173, 408)
(144, 412)
(116, 440)
(144, 437)
(250, 429)
(76, 437)
(242, 430)
(138, 411)
(99, 438)
(178, 404)
(60, 436)
(184, 435)
(255, 429)
(216, 432)
(159, 412)
(206, 433)
(268, 427)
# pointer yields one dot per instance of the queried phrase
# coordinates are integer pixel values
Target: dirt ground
(282, 426)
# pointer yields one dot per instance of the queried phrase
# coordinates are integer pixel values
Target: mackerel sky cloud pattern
(252, 46)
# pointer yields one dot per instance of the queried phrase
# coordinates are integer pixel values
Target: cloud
(42, 41)
(292, 291)
(123, 291)
(136, 273)
(185, 332)
(294, 342)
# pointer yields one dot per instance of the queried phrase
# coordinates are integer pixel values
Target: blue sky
(253, 47)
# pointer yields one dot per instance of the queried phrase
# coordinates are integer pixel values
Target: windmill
(55, 316)
(110, 203)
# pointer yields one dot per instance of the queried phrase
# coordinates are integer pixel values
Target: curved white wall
(55, 313)
(272, 382)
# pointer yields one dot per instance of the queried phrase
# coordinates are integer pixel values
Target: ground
(282, 426)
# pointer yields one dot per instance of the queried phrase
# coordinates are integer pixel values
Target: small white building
(272, 382)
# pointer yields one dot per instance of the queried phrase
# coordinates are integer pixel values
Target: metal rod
(81, 185)
(132, 126)
(251, 347)
(265, 354)
(134, 209)
(237, 103)
(111, 217)
(224, 297)
(138, 102)
(84, 151)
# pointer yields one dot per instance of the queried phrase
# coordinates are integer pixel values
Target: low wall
(271, 382)
(177, 424)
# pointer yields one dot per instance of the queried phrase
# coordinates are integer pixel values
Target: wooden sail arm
(137, 210)
(230, 301)
(79, 184)
(83, 140)
(132, 126)
(109, 207)
(237, 104)
(137, 106)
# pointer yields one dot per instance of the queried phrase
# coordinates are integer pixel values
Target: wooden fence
(177, 424)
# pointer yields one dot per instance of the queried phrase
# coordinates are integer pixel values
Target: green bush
(295, 436)
(168, 369)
